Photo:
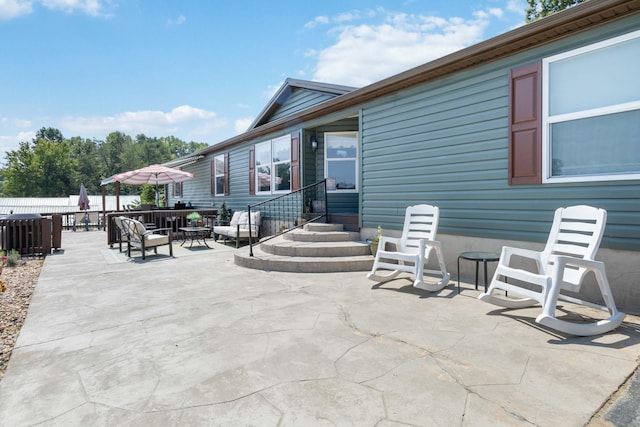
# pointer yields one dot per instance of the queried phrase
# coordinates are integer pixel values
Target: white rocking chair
(568, 256)
(412, 249)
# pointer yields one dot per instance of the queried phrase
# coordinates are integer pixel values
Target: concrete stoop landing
(316, 248)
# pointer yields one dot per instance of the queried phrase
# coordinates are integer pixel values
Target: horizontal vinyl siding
(198, 190)
(298, 101)
(446, 143)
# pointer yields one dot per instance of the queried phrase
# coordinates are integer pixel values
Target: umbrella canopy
(83, 199)
(154, 174)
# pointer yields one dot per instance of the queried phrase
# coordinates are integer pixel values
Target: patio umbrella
(83, 205)
(83, 199)
(153, 174)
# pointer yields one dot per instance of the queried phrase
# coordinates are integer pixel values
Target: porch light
(314, 143)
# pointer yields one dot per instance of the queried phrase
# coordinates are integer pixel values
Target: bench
(238, 228)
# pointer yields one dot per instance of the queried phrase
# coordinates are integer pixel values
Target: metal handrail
(289, 211)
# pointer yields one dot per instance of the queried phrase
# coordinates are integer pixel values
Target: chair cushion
(235, 219)
(152, 240)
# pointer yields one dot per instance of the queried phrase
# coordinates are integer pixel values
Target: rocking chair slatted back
(419, 223)
(577, 232)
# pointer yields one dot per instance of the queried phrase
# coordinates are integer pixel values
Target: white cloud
(12, 142)
(365, 53)
(517, 6)
(10, 9)
(10, 122)
(318, 20)
(177, 21)
(89, 7)
(270, 91)
(241, 125)
(184, 122)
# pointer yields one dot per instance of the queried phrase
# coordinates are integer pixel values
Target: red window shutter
(226, 174)
(295, 161)
(525, 125)
(252, 170)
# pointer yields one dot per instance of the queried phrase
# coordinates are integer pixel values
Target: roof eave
(574, 20)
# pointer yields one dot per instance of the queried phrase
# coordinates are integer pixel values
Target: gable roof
(577, 19)
(286, 90)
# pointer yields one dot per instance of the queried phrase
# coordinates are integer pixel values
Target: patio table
(478, 257)
(198, 234)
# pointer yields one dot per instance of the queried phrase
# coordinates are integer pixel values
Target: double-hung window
(273, 165)
(341, 159)
(219, 175)
(591, 112)
(177, 189)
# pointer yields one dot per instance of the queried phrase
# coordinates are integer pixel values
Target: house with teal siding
(498, 135)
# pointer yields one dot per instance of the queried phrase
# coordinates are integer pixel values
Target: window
(591, 112)
(219, 175)
(177, 189)
(341, 159)
(273, 165)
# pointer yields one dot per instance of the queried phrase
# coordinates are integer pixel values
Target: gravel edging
(19, 283)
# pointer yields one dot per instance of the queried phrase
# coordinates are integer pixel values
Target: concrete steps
(317, 248)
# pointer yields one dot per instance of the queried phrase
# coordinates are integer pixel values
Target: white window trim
(216, 175)
(272, 166)
(547, 122)
(357, 160)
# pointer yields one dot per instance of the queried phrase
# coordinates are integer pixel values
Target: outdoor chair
(568, 256)
(412, 249)
(95, 219)
(121, 231)
(238, 228)
(80, 221)
(138, 237)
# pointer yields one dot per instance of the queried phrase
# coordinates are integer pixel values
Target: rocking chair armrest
(509, 251)
(565, 260)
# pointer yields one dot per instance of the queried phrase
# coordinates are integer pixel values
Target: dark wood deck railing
(31, 236)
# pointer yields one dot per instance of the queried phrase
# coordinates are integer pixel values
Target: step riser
(343, 236)
(322, 227)
(310, 251)
(303, 267)
(319, 248)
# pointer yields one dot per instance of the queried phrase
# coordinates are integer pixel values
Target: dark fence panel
(27, 236)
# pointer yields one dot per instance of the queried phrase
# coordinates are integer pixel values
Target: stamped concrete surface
(197, 340)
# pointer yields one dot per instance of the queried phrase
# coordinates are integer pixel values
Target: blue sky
(203, 70)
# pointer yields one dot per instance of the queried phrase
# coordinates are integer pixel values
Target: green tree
(111, 152)
(42, 168)
(51, 165)
(179, 148)
(52, 134)
(90, 168)
(56, 169)
(540, 8)
(148, 193)
(19, 165)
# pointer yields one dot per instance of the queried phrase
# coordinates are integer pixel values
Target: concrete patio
(197, 340)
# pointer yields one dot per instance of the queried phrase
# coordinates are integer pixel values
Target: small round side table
(478, 257)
